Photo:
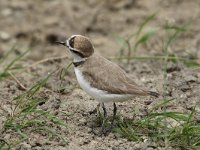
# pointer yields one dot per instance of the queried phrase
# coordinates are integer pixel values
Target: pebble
(89, 130)
(190, 78)
(26, 145)
(82, 121)
(4, 36)
(141, 146)
(6, 12)
(7, 137)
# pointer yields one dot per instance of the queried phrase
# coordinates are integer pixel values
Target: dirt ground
(35, 25)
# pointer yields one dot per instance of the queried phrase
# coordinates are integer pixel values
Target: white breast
(99, 95)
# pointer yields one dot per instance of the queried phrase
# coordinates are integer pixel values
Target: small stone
(137, 146)
(6, 12)
(7, 137)
(190, 78)
(26, 145)
(83, 121)
(118, 135)
(4, 36)
(89, 130)
(141, 146)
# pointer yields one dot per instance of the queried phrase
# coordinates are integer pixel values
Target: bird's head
(80, 46)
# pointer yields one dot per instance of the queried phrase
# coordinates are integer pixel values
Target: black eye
(71, 42)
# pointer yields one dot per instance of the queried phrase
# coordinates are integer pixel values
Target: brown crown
(83, 45)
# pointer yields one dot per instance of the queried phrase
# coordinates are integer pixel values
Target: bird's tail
(153, 93)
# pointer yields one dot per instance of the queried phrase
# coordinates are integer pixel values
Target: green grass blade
(144, 38)
(7, 54)
(142, 25)
(5, 73)
(15, 60)
(162, 103)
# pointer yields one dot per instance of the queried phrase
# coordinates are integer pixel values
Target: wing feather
(109, 77)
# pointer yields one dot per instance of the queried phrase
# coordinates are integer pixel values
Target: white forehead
(75, 35)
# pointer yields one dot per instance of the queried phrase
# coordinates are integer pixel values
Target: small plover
(100, 78)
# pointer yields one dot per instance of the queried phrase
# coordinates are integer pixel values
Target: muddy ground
(35, 25)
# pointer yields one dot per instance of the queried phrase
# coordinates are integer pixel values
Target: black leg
(104, 118)
(104, 111)
(114, 115)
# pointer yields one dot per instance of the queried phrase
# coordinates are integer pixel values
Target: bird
(99, 77)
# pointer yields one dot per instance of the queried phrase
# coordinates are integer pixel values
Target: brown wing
(108, 76)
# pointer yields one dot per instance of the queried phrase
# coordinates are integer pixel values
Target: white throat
(77, 58)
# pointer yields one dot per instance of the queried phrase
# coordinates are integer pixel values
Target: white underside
(99, 95)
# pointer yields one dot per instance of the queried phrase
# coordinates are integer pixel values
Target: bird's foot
(96, 110)
(93, 111)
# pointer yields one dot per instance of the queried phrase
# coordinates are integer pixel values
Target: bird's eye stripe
(78, 53)
(71, 42)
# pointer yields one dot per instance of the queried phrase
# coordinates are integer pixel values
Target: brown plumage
(101, 78)
(107, 76)
(82, 44)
